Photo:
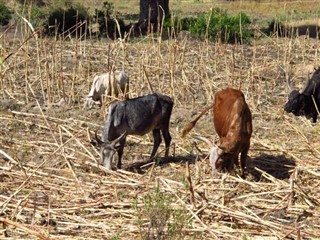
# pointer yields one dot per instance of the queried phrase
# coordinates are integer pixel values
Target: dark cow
(233, 123)
(307, 101)
(136, 116)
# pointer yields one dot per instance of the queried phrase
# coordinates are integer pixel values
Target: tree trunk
(151, 11)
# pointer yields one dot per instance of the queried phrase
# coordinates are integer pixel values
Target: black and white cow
(136, 116)
(307, 101)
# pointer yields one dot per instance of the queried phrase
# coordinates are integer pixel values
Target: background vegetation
(51, 183)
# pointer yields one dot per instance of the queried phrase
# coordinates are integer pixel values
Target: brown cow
(233, 123)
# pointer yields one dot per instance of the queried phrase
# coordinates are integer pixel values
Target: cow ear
(97, 141)
(117, 140)
(117, 146)
(215, 153)
(214, 156)
(94, 143)
(220, 151)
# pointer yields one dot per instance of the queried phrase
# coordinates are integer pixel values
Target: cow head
(215, 157)
(218, 158)
(221, 160)
(300, 103)
(295, 104)
(108, 149)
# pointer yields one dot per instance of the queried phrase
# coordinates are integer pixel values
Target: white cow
(110, 84)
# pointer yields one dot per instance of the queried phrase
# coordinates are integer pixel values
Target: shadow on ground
(277, 166)
(143, 166)
(310, 30)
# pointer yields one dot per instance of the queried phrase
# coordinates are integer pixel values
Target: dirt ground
(53, 187)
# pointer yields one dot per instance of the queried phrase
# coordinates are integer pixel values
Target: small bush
(36, 15)
(186, 23)
(239, 28)
(179, 24)
(61, 20)
(216, 24)
(5, 14)
(157, 220)
(276, 26)
(199, 28)
(107, 23)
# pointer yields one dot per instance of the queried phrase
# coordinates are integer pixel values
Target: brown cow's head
(219, 159)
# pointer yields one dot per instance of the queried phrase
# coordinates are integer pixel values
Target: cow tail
(191, 124)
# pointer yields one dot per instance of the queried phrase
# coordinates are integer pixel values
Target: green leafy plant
(158, 220)
(36, 15)
(175, 24)
(239, 28)
(116, 237)
(216, 24)
(108, 24)
(5, 14)
(69, 19)
(276, 26)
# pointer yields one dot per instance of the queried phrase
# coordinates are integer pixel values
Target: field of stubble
(51, 183)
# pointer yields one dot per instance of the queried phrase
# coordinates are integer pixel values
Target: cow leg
(314, 118)
(243, 159)
(167, 140)
(120, 152)
(229, 164)
(156, 142)
(100, 101)
(236, 160)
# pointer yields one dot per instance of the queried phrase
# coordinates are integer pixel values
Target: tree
(151, 11)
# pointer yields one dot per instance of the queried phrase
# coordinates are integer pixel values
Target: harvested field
(51, 183)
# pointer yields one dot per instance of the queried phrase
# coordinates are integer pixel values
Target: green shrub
(186, 23)
(36, 15)
(276, 26)
(158, 220)
(179, 24)
(216, 24)
(61, 20)
(107, 23)
(239, 28)
(5, 14)
(199, 28)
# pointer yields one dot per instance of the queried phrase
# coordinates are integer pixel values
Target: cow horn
(115, 141)
(289, 82)
(97, 138)
(205, 140)
(305, 86)
(220, 151)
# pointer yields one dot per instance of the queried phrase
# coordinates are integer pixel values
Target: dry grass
(51, 186)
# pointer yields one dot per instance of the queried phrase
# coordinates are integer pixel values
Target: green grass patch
(157, 218)
(217, 24)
